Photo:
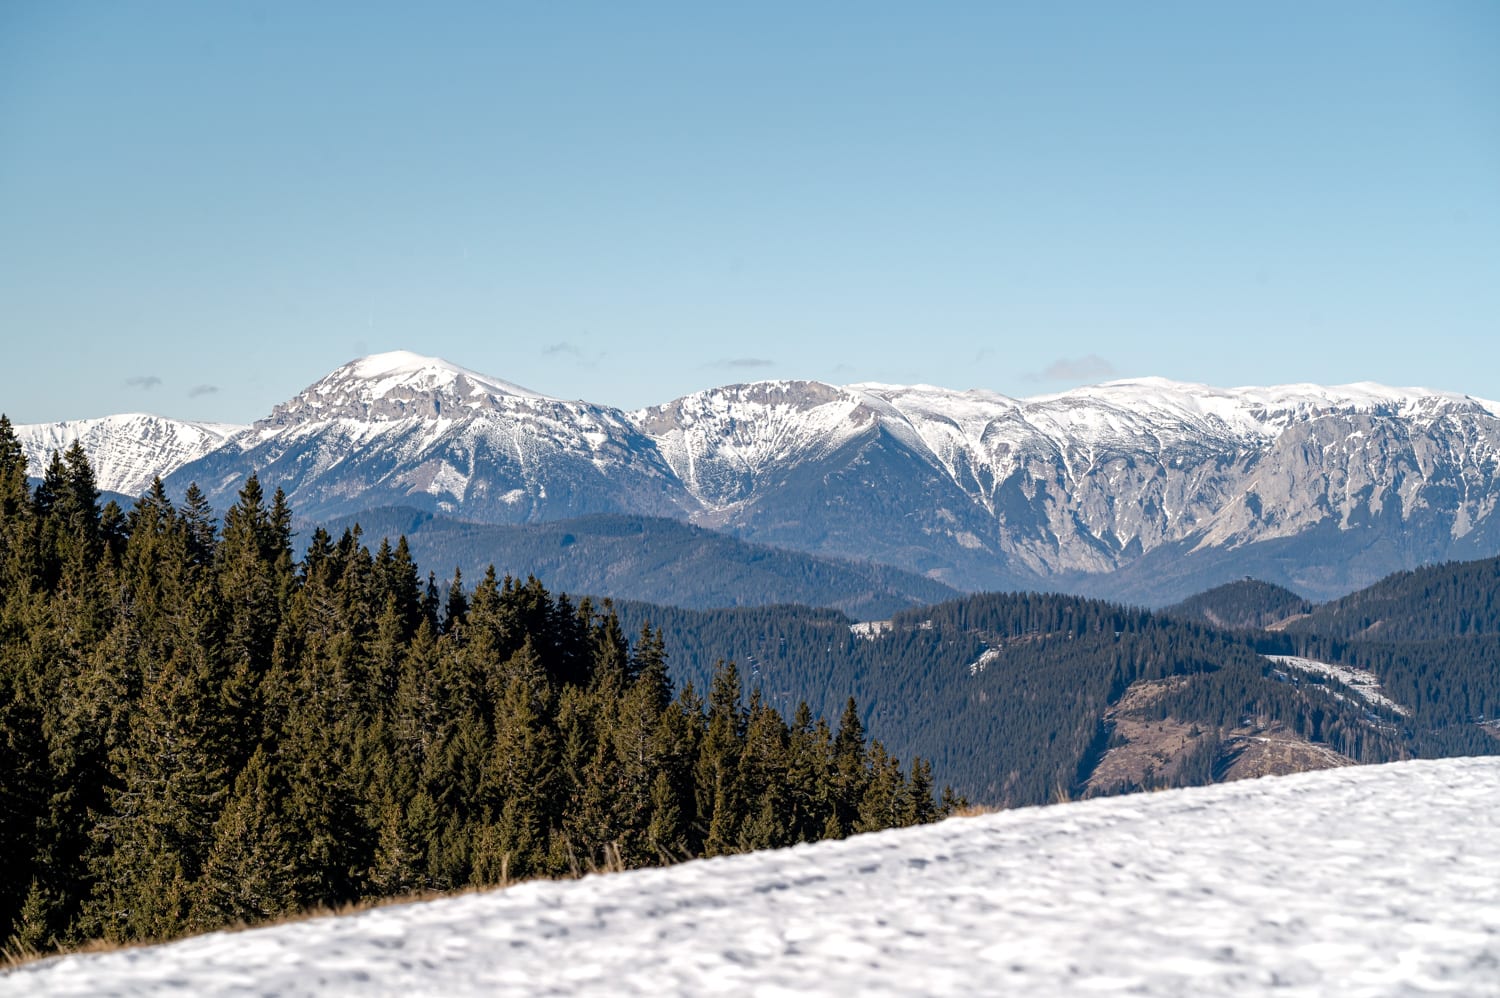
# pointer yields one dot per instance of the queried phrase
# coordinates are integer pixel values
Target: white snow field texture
(1379, 880)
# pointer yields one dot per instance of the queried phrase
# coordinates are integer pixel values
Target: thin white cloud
(740, 363)
(145, 382)
(1090, 368)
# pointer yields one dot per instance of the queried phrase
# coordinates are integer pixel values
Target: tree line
(199, 728)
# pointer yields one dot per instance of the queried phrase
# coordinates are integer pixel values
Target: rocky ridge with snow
(1361, 881)
(125, 451)
(399, 428)
(1148, 481)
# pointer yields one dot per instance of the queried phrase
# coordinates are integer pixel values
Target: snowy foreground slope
(1360, 881)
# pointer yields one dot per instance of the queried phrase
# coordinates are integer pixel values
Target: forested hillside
(1243, 605)
(652, 559)
(199, 728)
(1018, 698)
(1011, 695)
(1432, 636)
(1433, 603)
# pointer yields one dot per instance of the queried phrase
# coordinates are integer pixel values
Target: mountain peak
(385, 372)
(398, 385)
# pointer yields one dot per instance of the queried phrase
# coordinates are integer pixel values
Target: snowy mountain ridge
(126, 451)
(975, 488)
(1360, 881)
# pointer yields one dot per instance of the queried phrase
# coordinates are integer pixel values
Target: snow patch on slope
(1358, 881)
(986, 658)
(1363, 682)
(871, 630)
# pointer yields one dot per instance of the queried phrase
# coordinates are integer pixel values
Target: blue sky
(205, 207)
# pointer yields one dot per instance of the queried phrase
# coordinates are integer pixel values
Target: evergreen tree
(202, 528)
(250, 874)
(884, 802)
(18, 556)
(809, 780)
(720, 801)
(521, 776)
(456, 609)
(920, 807)
(172, 781)
(849, 772)
(762, 779)
(250, 594)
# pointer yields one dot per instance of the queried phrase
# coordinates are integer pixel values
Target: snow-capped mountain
(125, 451)
(987, 491)
(724, 443)
(1368, 880)
(1092, 479)
(1147, 489)
(398, 428)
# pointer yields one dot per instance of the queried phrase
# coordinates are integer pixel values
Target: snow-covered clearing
(1358, 881)
(871, 629)
(1361, 681)
(986, 658)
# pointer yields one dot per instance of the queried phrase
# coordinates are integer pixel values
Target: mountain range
(1147, 490)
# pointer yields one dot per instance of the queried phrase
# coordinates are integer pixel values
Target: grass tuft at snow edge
(1357, 881)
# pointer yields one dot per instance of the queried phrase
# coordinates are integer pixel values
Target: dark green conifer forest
(1008, 694)
(202, 726)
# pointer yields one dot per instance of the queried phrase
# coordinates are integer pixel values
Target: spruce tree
(251, 871)
(248, 563)
(520, 783)
(808, 776)
(882, 802)
(762, 779)
(849, 772)
(720, 802)
(202, 528)
(456, 608)
(18, 555)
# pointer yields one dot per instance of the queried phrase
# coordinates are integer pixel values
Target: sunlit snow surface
(1359, 881)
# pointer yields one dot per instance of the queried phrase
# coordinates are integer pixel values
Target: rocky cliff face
(1144, 489)
(987, 491)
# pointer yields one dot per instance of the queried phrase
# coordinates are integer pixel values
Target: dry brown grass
(13, 954)
(611, 861)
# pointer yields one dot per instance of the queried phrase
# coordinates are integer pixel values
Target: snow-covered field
(1359, 881)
